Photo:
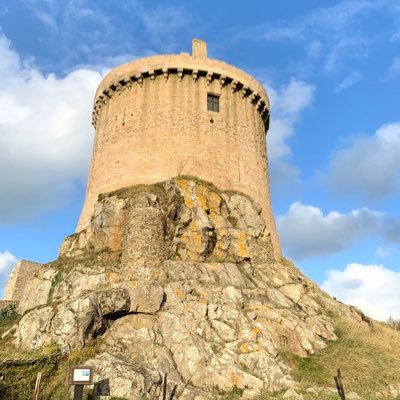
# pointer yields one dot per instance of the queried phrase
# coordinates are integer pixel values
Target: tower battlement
(195, 67)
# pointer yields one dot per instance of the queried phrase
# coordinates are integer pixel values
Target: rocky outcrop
(178, 278)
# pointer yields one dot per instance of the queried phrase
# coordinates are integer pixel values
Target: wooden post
(37, 386)
(171, 397)
(78, 392)
(339, 385)
(164, 394)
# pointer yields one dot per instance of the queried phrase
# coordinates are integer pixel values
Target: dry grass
(369, 359)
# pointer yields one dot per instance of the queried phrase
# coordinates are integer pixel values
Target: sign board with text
(81, 375)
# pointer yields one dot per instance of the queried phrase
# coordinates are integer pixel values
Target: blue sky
(332, 70)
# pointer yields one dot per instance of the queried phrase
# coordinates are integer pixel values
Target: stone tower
(172, 115)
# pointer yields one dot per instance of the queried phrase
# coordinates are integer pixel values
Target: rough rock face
(178, 278)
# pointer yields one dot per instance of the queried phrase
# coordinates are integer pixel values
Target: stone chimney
(199, 48)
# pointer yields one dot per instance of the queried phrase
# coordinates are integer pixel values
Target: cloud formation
(306, 232)
(348, 81)
(45, 135)
(369, 166)
(394, 68)
(7, 261)
(332, 36)
(287, 104)
(372, 288)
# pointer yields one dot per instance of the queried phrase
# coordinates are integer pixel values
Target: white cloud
(282, 33)
(162, 19)
(372, 288)
(395, 66)
(348, 81)
(344, 49)
(383, 251)
(287, 103)
(45, 135)
(7, 261)
(306, 232)
(332, 21)
(370, 166)
(314, 49)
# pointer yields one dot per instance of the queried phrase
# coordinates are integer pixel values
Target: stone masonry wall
(158, 127)
(20, 275)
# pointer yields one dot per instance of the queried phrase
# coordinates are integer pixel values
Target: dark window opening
(212, 102)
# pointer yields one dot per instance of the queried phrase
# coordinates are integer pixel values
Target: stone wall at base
(23, 272)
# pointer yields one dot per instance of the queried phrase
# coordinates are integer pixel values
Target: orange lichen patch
(214, 202)
(256, 331)
(235, 380)
(203, 293)
(193, 241)
(244, 347)
(112, 277)
(302, 290)
(201, 196)
(133, 284)
(186, 306)
(218, 253)
(180, 293)
(241, 245)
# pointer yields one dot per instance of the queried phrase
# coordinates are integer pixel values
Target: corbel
(128, 82)
(195, 75)
(139, 79)
(209, 77)
(165, 73)
(234, 85)
(253, 97)
(118, 87)
(222, 80)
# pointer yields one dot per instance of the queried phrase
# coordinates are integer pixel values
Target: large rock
(178, 279)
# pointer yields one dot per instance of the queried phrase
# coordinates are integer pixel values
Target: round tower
(164, 116)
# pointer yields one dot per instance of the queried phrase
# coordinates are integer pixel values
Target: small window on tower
(212, 102)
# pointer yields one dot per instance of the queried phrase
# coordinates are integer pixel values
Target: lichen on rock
(178, 278)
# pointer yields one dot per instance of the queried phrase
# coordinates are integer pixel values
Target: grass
(54, 282)
(369, 359)
(19, 368)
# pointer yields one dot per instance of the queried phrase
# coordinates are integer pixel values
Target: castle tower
(169, 115)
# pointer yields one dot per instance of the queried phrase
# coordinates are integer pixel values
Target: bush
(8, 313)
